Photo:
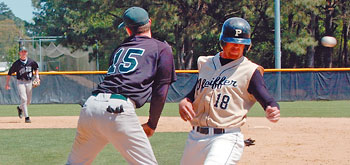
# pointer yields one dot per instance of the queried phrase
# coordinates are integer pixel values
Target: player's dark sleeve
(35, 65)
(159, 94)
(191, 94)
(164, 77)
(258, 89)
(166, 68)
(12, 69)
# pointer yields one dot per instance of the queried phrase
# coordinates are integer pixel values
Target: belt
(205, 130)
(24, 79)
(114, 96)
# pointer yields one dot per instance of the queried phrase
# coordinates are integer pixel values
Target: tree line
(192, 28)
(11, 28)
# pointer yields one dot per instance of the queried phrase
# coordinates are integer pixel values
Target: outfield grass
(43, 110)
(288, 109)
(52, 146)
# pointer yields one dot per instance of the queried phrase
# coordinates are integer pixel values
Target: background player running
(24, 68)
(140, 67)
(228, 85)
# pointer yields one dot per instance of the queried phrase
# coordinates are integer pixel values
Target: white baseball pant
(213, 149)
(25, 93)
(97, 127)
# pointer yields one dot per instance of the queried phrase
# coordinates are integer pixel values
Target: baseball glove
(36, 83)
(249, 142)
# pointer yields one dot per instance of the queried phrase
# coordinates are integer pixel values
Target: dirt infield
(290, 141)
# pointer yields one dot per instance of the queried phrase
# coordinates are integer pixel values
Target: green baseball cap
(134, 17)
(23, 49)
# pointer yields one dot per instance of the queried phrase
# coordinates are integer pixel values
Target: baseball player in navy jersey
(25, 69)
(140, 68)
(228, 86)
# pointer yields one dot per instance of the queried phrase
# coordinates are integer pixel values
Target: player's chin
(233, 56)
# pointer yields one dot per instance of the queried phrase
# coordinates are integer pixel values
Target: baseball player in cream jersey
(228, 86)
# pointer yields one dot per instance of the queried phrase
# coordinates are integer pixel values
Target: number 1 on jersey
(128, 62)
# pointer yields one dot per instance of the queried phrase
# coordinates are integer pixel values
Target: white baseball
(328, 41)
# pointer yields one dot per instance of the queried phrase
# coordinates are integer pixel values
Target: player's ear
(128, 31)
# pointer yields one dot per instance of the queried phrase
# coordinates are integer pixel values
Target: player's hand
(186, 109)
(148, 130)
(272, 114)
(7, 87)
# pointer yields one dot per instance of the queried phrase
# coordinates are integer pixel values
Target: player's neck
(23, 59)
(225, 61)
(147, 34)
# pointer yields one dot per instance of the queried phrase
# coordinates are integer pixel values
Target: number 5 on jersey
(128, 63)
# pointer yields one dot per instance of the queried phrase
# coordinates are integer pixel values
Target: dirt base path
(290, 141)
(166, 124)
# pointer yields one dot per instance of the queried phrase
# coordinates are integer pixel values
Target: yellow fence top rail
(307, 70)
(285, 70)
(196, 71)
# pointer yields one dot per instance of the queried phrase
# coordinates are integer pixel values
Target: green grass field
(288, 109)
(52, 146)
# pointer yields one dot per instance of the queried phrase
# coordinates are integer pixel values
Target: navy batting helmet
(235, 30)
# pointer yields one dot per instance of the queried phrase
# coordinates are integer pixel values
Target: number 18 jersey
(221, 97)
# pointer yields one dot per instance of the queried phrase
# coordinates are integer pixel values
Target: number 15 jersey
(136, 66)
(221, 97)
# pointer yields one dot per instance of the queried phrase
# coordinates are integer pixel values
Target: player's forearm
(157, 103)
(37, 74)
(7, 80)
(258, 89)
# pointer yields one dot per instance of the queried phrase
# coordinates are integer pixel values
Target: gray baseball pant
(25, 93)
(97, 127)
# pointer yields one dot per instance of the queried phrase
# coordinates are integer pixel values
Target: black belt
(114, 96)
(205, 130)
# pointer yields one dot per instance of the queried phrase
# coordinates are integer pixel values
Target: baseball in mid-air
(328, 41)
